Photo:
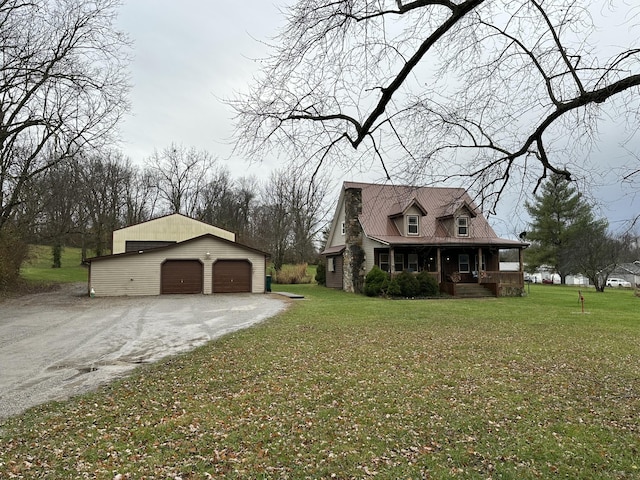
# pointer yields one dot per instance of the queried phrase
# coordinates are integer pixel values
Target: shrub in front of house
(428, 284)
(375, 282)
(408, 283)
(393, 289)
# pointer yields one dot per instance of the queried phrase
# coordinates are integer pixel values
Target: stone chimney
(353, 266)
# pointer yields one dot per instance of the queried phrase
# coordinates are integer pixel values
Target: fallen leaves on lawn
(297, 399)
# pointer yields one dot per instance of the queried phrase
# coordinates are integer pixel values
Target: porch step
(473, 290)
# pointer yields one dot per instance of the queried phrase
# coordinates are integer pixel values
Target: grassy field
(345, 386)
(38, 269)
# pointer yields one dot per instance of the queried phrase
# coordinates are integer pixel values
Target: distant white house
(629, 272)
(577, 280)
(544, 274)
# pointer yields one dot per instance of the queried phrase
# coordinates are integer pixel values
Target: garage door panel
(181, 276)
(231, 276)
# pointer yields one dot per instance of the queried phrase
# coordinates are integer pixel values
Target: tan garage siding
(176, 228)
(139, 274)
(127, 275)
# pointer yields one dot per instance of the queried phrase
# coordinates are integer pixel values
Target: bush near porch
(405, 284)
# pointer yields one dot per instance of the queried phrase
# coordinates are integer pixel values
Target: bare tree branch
(489, 93)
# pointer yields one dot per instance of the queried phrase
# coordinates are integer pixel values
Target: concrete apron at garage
(64, 343)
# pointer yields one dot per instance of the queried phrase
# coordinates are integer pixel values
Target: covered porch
(457, 268)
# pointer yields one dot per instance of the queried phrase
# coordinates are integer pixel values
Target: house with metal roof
(415, 229)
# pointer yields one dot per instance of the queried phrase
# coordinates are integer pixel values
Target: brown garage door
(231, 276)
(181, 276)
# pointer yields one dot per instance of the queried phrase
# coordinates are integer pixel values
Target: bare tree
(308, 212)
(290, 215)
(594, 253)
(140, 196)
(105, 177)
(237, 209)
(483, 92)
(63, 85)
(273, 218)
(212, 197)
(181, 175)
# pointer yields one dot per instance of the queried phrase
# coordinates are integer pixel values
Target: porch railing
(486, 277)
(502, 278)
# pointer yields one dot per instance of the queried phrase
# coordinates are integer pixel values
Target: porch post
(479, 264)
(521, 259)
(439, 265)
(392, 261)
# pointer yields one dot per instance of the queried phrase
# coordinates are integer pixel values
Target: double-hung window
(383, 262)
(463, 263)
(413, 224)
(462, 224)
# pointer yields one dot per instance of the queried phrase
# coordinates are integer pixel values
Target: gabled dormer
(408, 218)
(456, 221)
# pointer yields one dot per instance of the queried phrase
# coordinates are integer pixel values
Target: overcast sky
(188, 55)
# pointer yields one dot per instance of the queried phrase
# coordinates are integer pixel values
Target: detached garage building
(163, 259)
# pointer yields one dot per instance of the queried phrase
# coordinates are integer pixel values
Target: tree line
(63, 89)
(81, 200)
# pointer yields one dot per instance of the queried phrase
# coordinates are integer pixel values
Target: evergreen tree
(559, 213)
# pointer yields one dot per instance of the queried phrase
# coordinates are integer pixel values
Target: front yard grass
(345, 386)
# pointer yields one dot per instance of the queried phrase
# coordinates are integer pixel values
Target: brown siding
(231, 276)
(335, 279)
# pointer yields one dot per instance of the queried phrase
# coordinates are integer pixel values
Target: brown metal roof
(380, 203)
(333, 250)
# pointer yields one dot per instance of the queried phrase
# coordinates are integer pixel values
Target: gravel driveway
(59, 344)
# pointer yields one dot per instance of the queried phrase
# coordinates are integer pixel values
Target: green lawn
(37, 269)
(355, 387)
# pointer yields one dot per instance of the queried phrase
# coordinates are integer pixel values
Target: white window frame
(383, 259)
(462, 226)
(413, 221)
(462, 262)
(331, 266)
(344, 230)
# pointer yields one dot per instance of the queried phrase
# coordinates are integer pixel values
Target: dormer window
(413, 224)
(462, 226)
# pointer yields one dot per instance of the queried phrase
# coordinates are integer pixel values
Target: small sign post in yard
(581, 299)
